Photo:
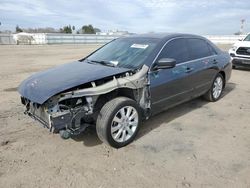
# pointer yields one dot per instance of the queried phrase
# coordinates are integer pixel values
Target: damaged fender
(136, 81)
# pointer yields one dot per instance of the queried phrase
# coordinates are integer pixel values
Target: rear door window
(211, 48)
(176, 49)
(198, 48)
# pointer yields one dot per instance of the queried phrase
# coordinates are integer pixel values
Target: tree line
(85, 29)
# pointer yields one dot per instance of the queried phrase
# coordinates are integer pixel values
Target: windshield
(126, 52)
(247, 38)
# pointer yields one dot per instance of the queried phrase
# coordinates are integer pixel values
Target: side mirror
(240, 39)
(165, 63)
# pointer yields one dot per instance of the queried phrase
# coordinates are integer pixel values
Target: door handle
(189, 69)
(215, 61)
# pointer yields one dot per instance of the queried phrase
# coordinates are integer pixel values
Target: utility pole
(242, 26)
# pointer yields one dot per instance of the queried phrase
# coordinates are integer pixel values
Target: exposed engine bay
(77, 108)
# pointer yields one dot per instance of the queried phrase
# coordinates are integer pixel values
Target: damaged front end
(72, 115)
(74, 110)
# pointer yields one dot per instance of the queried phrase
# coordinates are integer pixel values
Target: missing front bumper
(73, 121)
(54, 124)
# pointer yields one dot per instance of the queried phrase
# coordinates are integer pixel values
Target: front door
(172, 86)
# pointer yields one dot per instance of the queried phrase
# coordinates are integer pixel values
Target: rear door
(172, 86)
(203, 60)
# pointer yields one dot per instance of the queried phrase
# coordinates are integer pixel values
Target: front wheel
(215, 91)
(118, 122)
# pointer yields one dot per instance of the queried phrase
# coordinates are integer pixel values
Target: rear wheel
(215, 91)
(118, 122)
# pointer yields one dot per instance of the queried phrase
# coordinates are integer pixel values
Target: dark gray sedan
(124, 82)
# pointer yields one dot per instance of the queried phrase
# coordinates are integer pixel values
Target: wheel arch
(119, 92)
(224, 77)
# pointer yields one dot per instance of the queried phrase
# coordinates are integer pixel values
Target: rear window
(199, 48)
(211, 48)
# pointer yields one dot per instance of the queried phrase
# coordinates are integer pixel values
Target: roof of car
(163, 36)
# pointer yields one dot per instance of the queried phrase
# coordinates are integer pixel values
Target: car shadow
(177, 111)
(229, 87)
(89, 136)
(247, 69)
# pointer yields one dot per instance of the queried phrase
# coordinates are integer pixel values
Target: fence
(6, 39)
(56, 38)
(224, 39)
(78, 39)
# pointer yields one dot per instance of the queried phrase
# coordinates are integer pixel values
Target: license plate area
(246, 62)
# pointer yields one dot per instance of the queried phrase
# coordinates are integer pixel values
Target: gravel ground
(196, 144)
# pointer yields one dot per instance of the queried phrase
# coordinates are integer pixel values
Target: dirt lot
(197, 144)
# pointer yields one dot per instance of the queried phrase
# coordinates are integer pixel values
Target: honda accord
(125, 82)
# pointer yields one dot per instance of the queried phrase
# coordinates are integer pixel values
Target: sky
(137, 16)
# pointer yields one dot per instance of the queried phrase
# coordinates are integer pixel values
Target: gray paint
(154, 90)
(43, 85)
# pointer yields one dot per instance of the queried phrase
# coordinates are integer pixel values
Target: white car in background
(240, 53)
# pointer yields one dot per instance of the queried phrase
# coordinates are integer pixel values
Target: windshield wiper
(106, 63)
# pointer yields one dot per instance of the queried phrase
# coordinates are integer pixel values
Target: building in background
(113, 32)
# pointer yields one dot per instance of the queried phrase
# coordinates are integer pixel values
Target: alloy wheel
(217, 87)
(124, 124)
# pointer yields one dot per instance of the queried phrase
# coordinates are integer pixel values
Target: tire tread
(103, 118)
(208, 96)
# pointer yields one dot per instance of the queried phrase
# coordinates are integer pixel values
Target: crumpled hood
(43, 85)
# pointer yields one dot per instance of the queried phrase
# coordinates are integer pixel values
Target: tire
(116, 129)
(64, 134)
(210, 95)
